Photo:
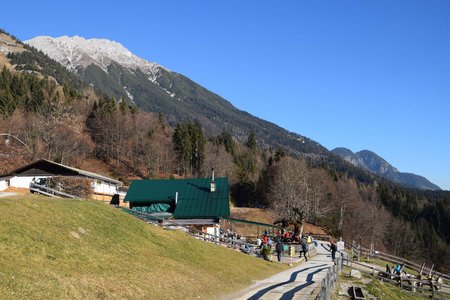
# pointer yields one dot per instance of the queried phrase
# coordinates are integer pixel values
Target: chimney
(212, 186)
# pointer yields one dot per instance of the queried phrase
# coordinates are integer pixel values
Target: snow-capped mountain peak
(74, 52)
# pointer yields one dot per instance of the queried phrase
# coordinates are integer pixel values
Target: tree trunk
(341, 215)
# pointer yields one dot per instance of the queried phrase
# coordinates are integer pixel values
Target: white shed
(43, 168)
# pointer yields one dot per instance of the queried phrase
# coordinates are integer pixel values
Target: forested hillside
(69, 122)
(113, 70)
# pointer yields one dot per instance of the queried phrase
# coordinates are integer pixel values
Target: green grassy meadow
(82, 249)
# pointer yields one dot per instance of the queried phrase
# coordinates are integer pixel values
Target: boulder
(355, 274)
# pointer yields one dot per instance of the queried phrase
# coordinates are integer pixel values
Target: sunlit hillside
(78, 249)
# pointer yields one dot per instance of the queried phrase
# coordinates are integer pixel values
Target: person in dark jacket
(304, 248)
(279, 249)
(333, 249)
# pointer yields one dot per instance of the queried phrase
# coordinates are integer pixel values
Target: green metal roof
(194, 197)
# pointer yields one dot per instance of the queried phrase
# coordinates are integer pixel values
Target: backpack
(304, 245)
(333, 247)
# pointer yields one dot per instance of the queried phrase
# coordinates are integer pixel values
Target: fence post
(432, 290)
(359, 252)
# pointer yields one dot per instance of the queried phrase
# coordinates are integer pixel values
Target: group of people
(304, 246)
(228, 234)
(264, 243)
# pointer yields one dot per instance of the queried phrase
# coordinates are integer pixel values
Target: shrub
(78, 187)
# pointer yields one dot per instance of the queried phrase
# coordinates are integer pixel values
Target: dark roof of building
(43, 167)
(195, 200)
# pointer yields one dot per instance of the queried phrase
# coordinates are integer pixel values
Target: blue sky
(358, 74)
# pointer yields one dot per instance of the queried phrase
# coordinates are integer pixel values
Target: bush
(266, 252)
(78, 187)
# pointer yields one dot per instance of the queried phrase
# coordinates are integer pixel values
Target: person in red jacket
(287, 235)
(265, 239)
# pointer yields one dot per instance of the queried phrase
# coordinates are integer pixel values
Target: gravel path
(300, 282)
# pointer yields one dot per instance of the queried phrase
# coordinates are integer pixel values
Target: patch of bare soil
(17, 190)
(313, 229)
(253, 214)
(265, 216)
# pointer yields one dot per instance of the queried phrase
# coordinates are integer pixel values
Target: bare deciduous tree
(292, 195)
(218, 158)
(321, 205)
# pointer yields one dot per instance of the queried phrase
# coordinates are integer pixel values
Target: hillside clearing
(263, 216)
(55, 248)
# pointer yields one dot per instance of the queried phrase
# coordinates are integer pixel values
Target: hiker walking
(333, 249)
(304, 249)
(279, 249)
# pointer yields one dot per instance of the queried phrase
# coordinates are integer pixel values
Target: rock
(355, 274)
(75, 234)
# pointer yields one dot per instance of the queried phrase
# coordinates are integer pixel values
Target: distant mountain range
(372, 162)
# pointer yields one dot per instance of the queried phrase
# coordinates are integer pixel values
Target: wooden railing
(42, 189)
(361, 251)
(427, 287)
(328, 283)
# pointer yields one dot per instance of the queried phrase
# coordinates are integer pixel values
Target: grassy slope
(54, 248)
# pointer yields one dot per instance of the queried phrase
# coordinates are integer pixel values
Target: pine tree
(183, 147)
(189, 145)
(251, 142)
(198, 147)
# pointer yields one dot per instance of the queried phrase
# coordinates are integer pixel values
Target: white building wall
(215, 230)
(105, 188)
(3, 185)
(23, 182)
(99, 186)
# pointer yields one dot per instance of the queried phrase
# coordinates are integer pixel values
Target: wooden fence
(328, 283)
(427, 288)
(369, 254)
(42, 189)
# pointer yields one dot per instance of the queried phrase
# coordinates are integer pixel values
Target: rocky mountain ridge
(374, 163)
(75, 52)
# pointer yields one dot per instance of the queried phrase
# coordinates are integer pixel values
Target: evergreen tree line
(26, 91)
